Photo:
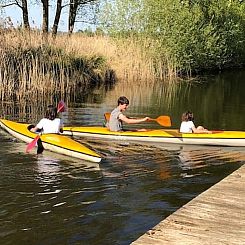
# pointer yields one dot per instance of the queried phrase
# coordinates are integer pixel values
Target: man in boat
(117, 118)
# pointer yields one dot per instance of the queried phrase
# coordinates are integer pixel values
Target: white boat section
(217, 138)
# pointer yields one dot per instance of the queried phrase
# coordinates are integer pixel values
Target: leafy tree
(203, 34)
(192, 34)
(122, 17)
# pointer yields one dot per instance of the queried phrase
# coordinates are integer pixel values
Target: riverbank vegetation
(35, 66)
(190, 36)
(31, 66)
(136, 42)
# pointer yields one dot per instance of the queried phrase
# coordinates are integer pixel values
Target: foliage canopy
(194, 34)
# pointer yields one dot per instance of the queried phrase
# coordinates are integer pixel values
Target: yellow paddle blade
(164, 121)
(107, 116)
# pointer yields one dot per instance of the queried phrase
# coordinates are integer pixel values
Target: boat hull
(53, 142)
(221, 138)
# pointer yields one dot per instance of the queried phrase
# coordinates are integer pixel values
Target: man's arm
(132, 120)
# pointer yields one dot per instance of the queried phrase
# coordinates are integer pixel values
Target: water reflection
(135, 187)
(217, 101)
(47, 170)
(199, 157)
(54, 199)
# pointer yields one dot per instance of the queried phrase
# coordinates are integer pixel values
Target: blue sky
(35, 17)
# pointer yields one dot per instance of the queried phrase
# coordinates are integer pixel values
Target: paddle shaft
(162, 120)
(153, 119)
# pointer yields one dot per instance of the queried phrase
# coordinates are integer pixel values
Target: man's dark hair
(51, 112)
(122, 100)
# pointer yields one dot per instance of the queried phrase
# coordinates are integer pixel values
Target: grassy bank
(35, 67)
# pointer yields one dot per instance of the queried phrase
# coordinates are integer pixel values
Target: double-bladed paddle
(162, 120)
(60, 108)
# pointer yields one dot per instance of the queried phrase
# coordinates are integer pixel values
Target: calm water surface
(53, 199)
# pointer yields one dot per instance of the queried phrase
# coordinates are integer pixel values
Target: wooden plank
(217, 216)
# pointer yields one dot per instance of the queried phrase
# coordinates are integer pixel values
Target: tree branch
(63, 6)
(89, 1)
(7, 5)
(84, 21)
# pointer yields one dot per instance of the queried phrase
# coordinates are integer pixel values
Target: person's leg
(200, 128)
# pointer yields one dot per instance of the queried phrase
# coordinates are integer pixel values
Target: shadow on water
(53, 199)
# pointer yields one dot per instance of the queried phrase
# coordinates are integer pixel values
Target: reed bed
(33, 67)
(133, 60)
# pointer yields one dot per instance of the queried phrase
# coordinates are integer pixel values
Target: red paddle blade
(61, 106)
(31, 145)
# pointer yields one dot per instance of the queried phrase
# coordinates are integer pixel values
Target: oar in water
(162, 120)
(32, 144)
(60, 108)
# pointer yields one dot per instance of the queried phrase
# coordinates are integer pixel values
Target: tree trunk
(57, 17)
(72, 15)
(45, 16)
(25, 15)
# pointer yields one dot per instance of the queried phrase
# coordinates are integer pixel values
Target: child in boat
(50, 124)
(188, 126)
(117, 118)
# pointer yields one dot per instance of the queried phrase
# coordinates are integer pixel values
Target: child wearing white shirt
(50, 124)
(188, 126)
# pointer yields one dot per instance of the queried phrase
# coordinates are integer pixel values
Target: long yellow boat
(53, 142)
(217, 138)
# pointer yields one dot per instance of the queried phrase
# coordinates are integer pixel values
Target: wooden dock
(217, 216)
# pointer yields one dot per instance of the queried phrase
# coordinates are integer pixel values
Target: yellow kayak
(53, 142)
(221, 138)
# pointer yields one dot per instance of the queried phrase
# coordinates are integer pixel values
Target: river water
(53, 199)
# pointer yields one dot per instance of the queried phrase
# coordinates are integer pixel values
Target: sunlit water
(53, 199)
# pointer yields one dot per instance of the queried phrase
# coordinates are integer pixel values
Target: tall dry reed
(133, 60)
(33, 67)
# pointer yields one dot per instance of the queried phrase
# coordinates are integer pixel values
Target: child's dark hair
(51, 112)
(187, 116)
(122, 100)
